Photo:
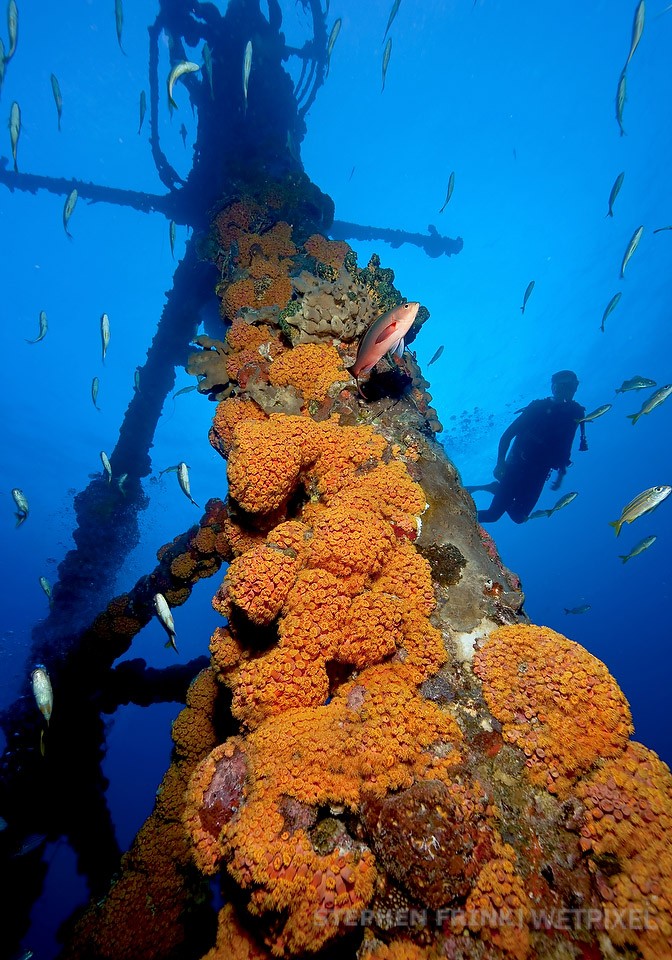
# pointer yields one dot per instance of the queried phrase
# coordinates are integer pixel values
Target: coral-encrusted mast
(417, 772)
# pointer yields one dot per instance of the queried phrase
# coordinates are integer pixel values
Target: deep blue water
(518, 99)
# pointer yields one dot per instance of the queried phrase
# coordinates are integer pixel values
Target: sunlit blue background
(518, 99)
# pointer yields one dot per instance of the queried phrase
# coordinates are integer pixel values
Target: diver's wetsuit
(543, 436)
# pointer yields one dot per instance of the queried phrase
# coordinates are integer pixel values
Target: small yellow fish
(165, 618)
(635, 383)
(631, 247)
(58, 99)
(119, 21)
(393, 13)
(526, 295)
(643, 503)
(605, 408)
(387, 52)
(15, 131)
(105, 333)
(621, 97)
(618, 183)
(68, 210)
(107, 467)
(95, 386)
(12, 28)
(184, 66)
(335, 30)
(640, 548)
(46, 586)
(584, 608)
(42, 691)
(449, 191)
(609, 307)
(436, 356)
(19, 498)
(637, 30)
(171, 236)
(247, 67)
(43, 328)
(654, 401)
(183, 480)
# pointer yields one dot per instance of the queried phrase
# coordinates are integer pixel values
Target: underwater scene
(336, 468)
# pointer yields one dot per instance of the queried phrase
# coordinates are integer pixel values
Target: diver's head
(564, 384)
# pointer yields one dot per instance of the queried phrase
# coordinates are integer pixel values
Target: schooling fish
(386, 59)
(12, 28)
(436, 356)
(631, 247)
(605, 408)
(610, 306)
(42, 691)
(621, 97)
(95, 386)
(143, 109)
(21, 506)
(449, 191)
(393, 13)
(539, 513)
(640, 548)
(15, 131)
(247, 67)
(584, 608)
(58, 99)
(660, 229)
(107, 467)
(105, 333)
(637, 29)
(635, 383)
(643, 503)
(564, 501)
(193, 386)
(184, 66)
(171, 235)
(526, 295)
(46, 586)
(618, 183)
(43, 328)
(335, 30)
(183, 480)
(654, 401)
(68, 209)
(386, 333)
(165, 619)
(183, 134)
(119, 22)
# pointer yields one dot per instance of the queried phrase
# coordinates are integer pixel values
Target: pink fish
(386, 333)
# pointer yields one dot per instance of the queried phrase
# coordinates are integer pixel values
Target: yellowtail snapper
(640, 548)
(654, 401)
(643, 503)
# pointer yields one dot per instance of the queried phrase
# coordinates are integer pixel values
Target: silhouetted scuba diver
(542, 437)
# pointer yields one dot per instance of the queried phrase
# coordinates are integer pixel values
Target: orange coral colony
(556, 702)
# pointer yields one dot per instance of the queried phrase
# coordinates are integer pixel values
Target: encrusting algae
(408, 770)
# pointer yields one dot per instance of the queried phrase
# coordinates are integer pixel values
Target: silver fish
(143, 109)
(171, 235)
(635, 383)
(107, 467)
(335, 30)
(119, 22)
(631, 247)
(12, 28)
(184, 66)
(564, 501)
(609, 307)
(386, 59)
(539, 513)
(19, 498)
(637, 30)
(105, 333)
(640, 548)
(247, 67)
(15, 131)
(188, 389)
(654, 401)
(621, 97)
(95, 386)
(660, 229)
(643, 503)
(605, 408)
(526, 295)
(207, 66)
(436, 356)
(183, 134)
(136, 380)
(68, 210)
(393, 13)
(43, 328)
(449, 191)
(42, 691)
(121, 481)
(165, 618)
(58, 99)
(46, 586)
(618, 183)
(183, 480)
(584, 608)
